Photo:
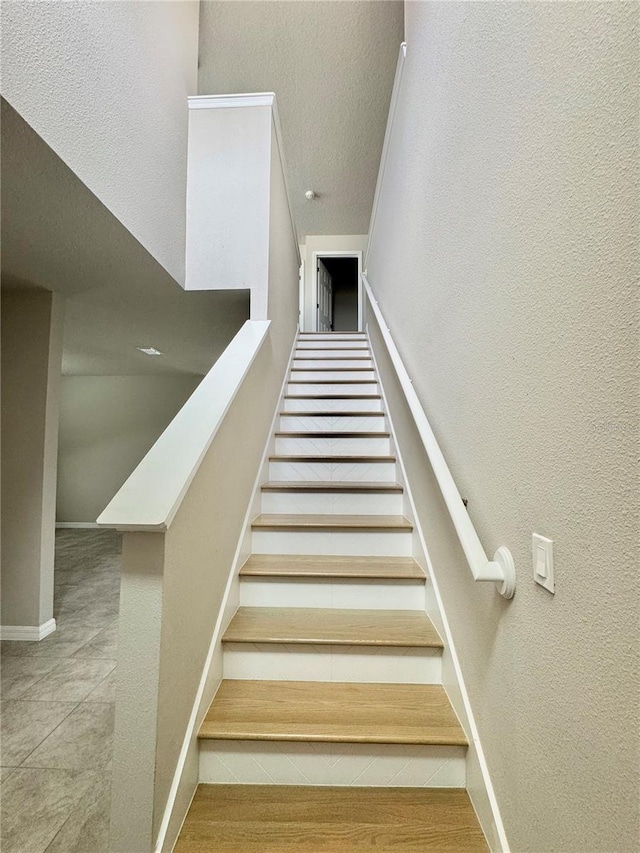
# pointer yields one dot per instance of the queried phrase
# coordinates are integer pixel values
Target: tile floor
(57, 708)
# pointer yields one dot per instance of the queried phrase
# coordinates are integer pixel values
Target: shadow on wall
(107, 425)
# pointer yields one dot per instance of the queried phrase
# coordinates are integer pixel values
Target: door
(324, 299)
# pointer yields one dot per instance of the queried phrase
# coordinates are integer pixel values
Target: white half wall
(107, 424)
(228, 196)
(105, 85)
(504, 259)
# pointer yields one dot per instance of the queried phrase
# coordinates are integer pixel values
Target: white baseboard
(78, 525)
(29, 633)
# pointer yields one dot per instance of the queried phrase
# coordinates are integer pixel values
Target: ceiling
(331, 64)
(58, 236)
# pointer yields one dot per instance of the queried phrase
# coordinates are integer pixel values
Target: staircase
(331, 730)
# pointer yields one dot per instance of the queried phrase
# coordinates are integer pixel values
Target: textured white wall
(228, 201)
(107, 424)
(105, 85)
(503, 258)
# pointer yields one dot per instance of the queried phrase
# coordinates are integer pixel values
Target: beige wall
(32, 325)
(105, 85)
(503, 259)
(107, 424)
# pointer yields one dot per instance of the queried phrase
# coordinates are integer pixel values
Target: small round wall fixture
(310, 195)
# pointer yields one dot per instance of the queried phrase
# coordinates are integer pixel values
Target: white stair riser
(331, 364)
(332, 405)
(293, 662)
(332, 336)
(301, 763)
(332, 423)
(352, 594)
(378, 472)
(315, 446)
(333, 375)
(329, 344)
(334, 352)
(312, 388)
(345, 543)
(332, 503)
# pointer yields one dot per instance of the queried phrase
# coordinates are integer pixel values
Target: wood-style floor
(277, 819)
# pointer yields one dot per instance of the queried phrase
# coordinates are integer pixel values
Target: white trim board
(28, 633)
(224, 617)
(78, 525)
(344, 253)
(224, 102)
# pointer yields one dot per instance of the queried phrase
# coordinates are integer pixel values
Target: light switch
(542, 552)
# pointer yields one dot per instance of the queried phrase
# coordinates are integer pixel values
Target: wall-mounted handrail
(152, 495)
(499, 570)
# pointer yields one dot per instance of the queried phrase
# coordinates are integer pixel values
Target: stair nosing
(329, 414)
(424, 732)
(369, 523)
(329, 486)
(350, 615)
(333, 369)
(334, 358)
(329, 458)
(334, 396)
(329, 434)
(327, 566)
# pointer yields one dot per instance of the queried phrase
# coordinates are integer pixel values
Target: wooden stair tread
(333, 358)
(296, 819)
(329, 486)
(330, 434)
(330, 458)
(294, 381)
(331, 414)
(332, 712)
(331, 369)
(286, 521)
(321, 566)
(333, 396)
(313, 345)
(335, 627)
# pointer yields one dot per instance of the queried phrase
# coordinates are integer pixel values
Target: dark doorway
(344, 290)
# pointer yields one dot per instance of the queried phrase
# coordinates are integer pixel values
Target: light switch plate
(542, 553)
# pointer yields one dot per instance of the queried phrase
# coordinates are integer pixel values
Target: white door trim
(346, 253)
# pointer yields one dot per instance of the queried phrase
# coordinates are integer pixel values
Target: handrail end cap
(504, 559)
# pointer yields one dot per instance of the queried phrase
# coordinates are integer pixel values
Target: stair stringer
(481, 793)
(212, 671)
